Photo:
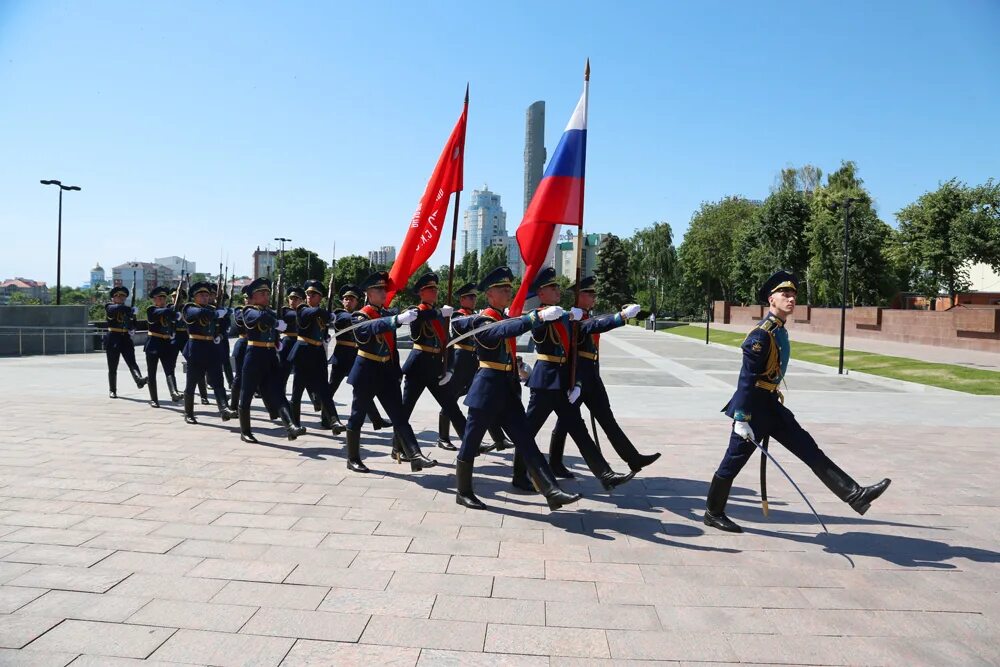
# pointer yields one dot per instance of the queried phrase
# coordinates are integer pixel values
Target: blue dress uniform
(225, 328)
(238, 352)
(424, 367)
(308, 356)
(344, 355)
(261, 369)
(593, 393)
(202, 353)
(118, 342)
(758, 402)
(376, 374)
(549, 384)
(159, 347)
(288, 338)
(494, 399)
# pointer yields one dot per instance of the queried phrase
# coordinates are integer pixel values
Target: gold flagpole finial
(586, 72)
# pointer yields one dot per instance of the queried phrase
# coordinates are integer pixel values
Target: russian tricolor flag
(558, 199)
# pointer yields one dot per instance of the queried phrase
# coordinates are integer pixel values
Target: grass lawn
(948, 376)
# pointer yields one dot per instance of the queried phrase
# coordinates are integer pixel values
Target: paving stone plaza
(128, 537)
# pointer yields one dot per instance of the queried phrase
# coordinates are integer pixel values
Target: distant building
(179, 265)
(567, 252)
(146, 275)
(97, 278)
(265, 263)
(384, 256)
(534, 149)
(485, 221)
(32, 289)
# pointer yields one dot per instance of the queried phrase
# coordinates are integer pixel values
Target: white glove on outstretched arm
(631, 310)
(550, 313)
(446, 311)
(576, 314)
(281, 325)
(743, 430)
(406, 316)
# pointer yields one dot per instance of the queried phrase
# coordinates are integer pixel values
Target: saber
(354, 326)
(789, 478)
(473, 332)
(763, 476)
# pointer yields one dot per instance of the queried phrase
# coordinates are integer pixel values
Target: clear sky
(208, 128)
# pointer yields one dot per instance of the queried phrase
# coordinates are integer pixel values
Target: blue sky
(202, 128)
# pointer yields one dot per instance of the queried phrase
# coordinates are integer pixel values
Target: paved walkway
(127, 536)
(938, 355)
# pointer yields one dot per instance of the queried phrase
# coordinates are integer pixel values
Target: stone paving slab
(130, 538)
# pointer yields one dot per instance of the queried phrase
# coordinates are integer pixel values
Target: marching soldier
(202, 350)
(592, 391)
(296, 295)
(464, 365)
(424, 367)
(344, 355)
(308, 356)
(495, 396)
(118, 340)
(238, 353)
(757, 411)
(261, 368)
(225, 326)
(376, 373)
(551, 390)
(159, 347)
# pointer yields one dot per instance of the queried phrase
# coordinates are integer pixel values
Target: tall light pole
(843, 303)
(59, 237)
(281, 255)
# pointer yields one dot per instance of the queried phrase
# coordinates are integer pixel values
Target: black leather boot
(500, 441)
(411, 452)
(224, 412)
(858, 497)
(175, 395)
(112, 384)
(397, 450)
(715, 506)
(292, 428)
(234, 397)
(557, 444)
(140, 381)
(246, 434)
(519, 480)
(296, 412)
(463, 483)
(317, 404)
(378, 421)
(203, 391)
(600, 467)
(334, 422)
(642, 461)
(444, 438)
(547, 485)
(354, 462)
(189, 408)
(153, 399)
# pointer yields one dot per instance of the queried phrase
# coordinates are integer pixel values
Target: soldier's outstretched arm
(596, 325)
(514, 326)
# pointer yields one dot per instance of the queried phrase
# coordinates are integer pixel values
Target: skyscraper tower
(534, 149)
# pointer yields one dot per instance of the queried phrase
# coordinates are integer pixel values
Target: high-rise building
(97, 278)
(567, 251)
(534, 149)
(485, 221)
(179, 265)
(383, 256)
(265, 263)
(146, 275)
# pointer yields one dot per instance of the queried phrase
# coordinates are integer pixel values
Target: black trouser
(120, 346)
(338, 372)
(595, 397)
(414, 385)
(209, 368)
(310, 374)
(779, 423)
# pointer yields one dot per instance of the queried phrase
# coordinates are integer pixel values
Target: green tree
(494, 257)
(468, 269)
(708, 250)
(22, 299)
(652, 264)
(613, 290)
(302, 265)
(871, 280)
(984, 223)
(352, 269)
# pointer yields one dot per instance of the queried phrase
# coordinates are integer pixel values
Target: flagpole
(451, 263)
(574, 354)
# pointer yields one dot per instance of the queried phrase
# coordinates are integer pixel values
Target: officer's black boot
(140, 381)
(547, 485)
(175, 395)
(411, 452)
(715, 506)
(858, 497)
(324, 419)
(598, 465)
(397, 450)
(354, 462)
(189, 408)
(246, 435)
(224, 412)
(642, 460)
(463, 484)
(317, 404)
(203, 390)
(153, 400)
(378, 421)
(519, 480)
(444, 427)
(227, 370)
(234, 398)
(296, 412)
(500, 441)
(557, 444)
(292, 428)
(112, 384)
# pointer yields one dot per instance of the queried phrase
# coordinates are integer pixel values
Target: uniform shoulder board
(767, 324)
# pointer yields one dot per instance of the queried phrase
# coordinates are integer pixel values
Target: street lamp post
(59, 237)
(281, 254)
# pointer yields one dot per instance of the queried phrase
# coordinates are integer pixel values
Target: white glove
(281, 325)
(574, 394)
(446, 311)
(135, 311)
(743, 430)
(630, 311)
(406, 316)
(550, 313)
(179, 317)
(576, 314)
(445, 379)
(221, 312)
